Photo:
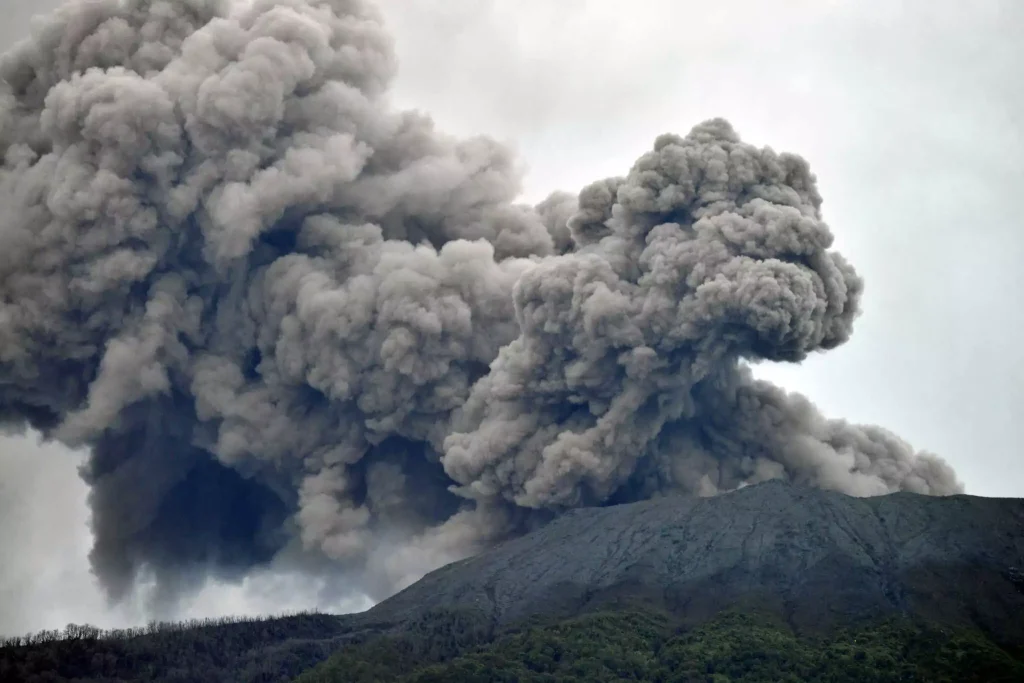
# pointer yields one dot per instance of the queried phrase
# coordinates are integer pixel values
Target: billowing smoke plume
(293, 322)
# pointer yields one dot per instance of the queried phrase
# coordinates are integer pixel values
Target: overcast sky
(910, 113)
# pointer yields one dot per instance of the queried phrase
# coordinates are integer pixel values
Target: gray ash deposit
(817, 559)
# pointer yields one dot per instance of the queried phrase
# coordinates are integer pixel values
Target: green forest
(628, 645)
(267, 649)
(640, 646)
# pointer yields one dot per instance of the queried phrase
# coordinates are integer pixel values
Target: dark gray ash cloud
(294, 324)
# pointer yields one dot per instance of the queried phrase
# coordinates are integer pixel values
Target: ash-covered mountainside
(817, 558)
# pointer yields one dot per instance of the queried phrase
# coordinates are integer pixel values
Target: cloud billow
(290, 321)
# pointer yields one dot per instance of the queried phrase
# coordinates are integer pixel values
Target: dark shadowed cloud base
(296, 325)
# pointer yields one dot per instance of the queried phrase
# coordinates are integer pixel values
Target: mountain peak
(816, 558)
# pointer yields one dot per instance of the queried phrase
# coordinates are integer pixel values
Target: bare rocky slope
(816, 558)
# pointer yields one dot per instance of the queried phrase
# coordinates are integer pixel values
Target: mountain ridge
(817, 558)
(770, 582)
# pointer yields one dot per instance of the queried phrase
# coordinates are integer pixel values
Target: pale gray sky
(910, 114)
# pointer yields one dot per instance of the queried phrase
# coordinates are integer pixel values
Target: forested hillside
(646, 646)
(629, 644)
(270, 649)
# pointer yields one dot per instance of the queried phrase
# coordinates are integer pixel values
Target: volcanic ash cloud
(295, 325)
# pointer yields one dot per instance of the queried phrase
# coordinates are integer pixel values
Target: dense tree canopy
(644, 646)
(463, 647)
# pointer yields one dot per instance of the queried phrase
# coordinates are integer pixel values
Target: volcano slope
(767, 583)
(818, 559)
(770, 582)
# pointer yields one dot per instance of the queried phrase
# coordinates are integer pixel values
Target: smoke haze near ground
(297, 327)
